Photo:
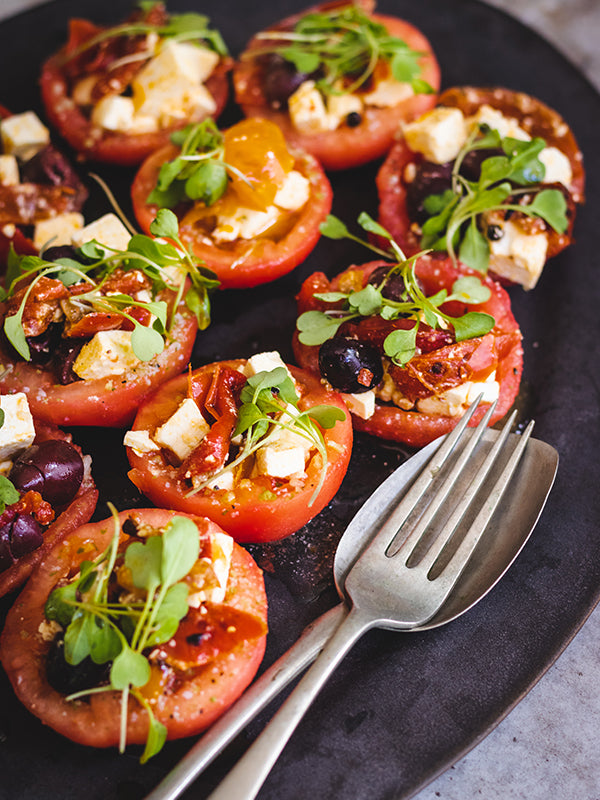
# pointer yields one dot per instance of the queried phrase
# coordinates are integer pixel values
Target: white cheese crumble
(18, 431)
(106, 353)
(184, 430)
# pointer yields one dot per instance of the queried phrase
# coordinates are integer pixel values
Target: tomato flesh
(186, 707)
(344, 147)
(257, 509)
(500, 349)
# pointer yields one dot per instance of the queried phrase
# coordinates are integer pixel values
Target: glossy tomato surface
(533, 116)
(109, 402)
(245, 262)
(256, 509)
(190, 706)
(67, 518)
(411, 427)
(344, 147)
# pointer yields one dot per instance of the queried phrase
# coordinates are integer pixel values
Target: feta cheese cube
(244, 223)
(340, 105)
(294, 192)
(453, 402)
(9, 170)
(58, 230)
(24, 135)
(519, 256)
(388, 93)
(506, 126)
(18, 431)
(106, 353)
(558, 166)
(82, 90)
(140, 442)
(169, 87)
(307, 110)
(108, 230)
(263, 362)
(438, 135)
(113, 112)
(361, 404)
(280, 459)
(183, 431)
(211, 574)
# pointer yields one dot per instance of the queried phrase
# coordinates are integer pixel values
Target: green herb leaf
(147, 343)
(326, 416)
(129, 669)
(315, 327)
(144, 559)
(334, 228)
(551, 206)
(8, 493)
(180, 547)
(400, 345)
(13, 328)
(471, 325)
(474, 249)
(165, 224)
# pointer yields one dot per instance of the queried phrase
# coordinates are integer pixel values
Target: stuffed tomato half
(90, 329)
(115, 94)
(410, 344)
(140, 628)
(46, 490)
(248, 204)
(491, 176)
(256, 446)
(338, 79)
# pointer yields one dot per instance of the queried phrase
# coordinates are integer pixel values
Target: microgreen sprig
(315, 327)
(181, 27)
(269, 403)
(119, 632)
(454, 214)
(157, 258)
(341, 44)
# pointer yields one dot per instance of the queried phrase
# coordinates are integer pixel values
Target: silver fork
(404, 575)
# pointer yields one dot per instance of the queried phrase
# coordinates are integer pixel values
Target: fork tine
(467, 498)
(406, 543)
(459, 558)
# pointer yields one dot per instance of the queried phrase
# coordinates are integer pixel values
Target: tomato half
(245, 262)
(79, 511)
(256, 509)
(108, 402)
(187, 707)
(99, 144)
(532, 115)
(412, 427)
(344, 147)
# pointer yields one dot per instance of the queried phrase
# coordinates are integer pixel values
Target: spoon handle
(244, 781)
(254, 699)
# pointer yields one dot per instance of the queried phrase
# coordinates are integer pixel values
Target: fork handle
(254, 699)
(244, 781)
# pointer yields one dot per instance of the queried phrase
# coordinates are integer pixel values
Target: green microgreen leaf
(342, 47)
(400, 345)
(8, 493)
(551, 206)
(129, 668)
(472, 324)
(474, 248)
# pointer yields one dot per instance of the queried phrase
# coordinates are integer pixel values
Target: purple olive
(350, 365)
(19, 537)
(430, 179)
(53, 468)
(49, 166)
(280, 80)
(68, 678)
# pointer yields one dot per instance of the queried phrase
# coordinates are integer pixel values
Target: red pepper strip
(212, 452)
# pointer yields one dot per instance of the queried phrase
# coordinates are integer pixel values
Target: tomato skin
(245, 263)
(111, 147)
(245, 513)
(411, 427)
(95, 721)
(107, 402)
(345, 147)
(533, 115)
(79, 511)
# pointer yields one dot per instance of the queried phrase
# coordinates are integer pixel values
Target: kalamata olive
(60, 251)
(49, 166)
(430, 179)
(281, 79)
(64, 357)
(43, 346)
(19, 536)
(68, 678)
(350, 365)
(26, 535)
(53, 468)
(394, 288)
